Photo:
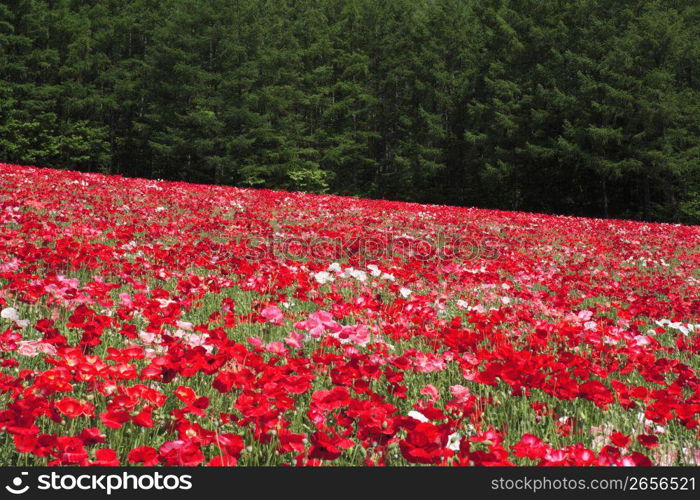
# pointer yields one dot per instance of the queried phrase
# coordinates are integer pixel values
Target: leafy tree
(588, 107)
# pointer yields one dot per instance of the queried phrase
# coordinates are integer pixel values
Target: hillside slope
(170, 323)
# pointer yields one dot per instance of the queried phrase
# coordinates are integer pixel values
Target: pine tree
(587, 107)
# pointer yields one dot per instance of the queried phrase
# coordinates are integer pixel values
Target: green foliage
(589, 107)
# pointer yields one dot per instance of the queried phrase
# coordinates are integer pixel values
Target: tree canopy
(587, 107)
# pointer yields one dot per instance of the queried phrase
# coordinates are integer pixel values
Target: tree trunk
(647, 197)
(606, 212)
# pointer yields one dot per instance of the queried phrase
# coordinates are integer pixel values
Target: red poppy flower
(426, 444)
(648, 441)
(73, 408)
(144, 455)
(530, 447)
(619, 439)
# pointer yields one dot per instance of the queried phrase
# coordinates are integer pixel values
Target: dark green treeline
(588, 107)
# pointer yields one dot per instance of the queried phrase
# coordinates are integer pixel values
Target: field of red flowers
(148, 322)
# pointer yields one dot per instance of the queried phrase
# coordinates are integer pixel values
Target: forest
(581, 107)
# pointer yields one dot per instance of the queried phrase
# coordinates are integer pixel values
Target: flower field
(148, 322)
